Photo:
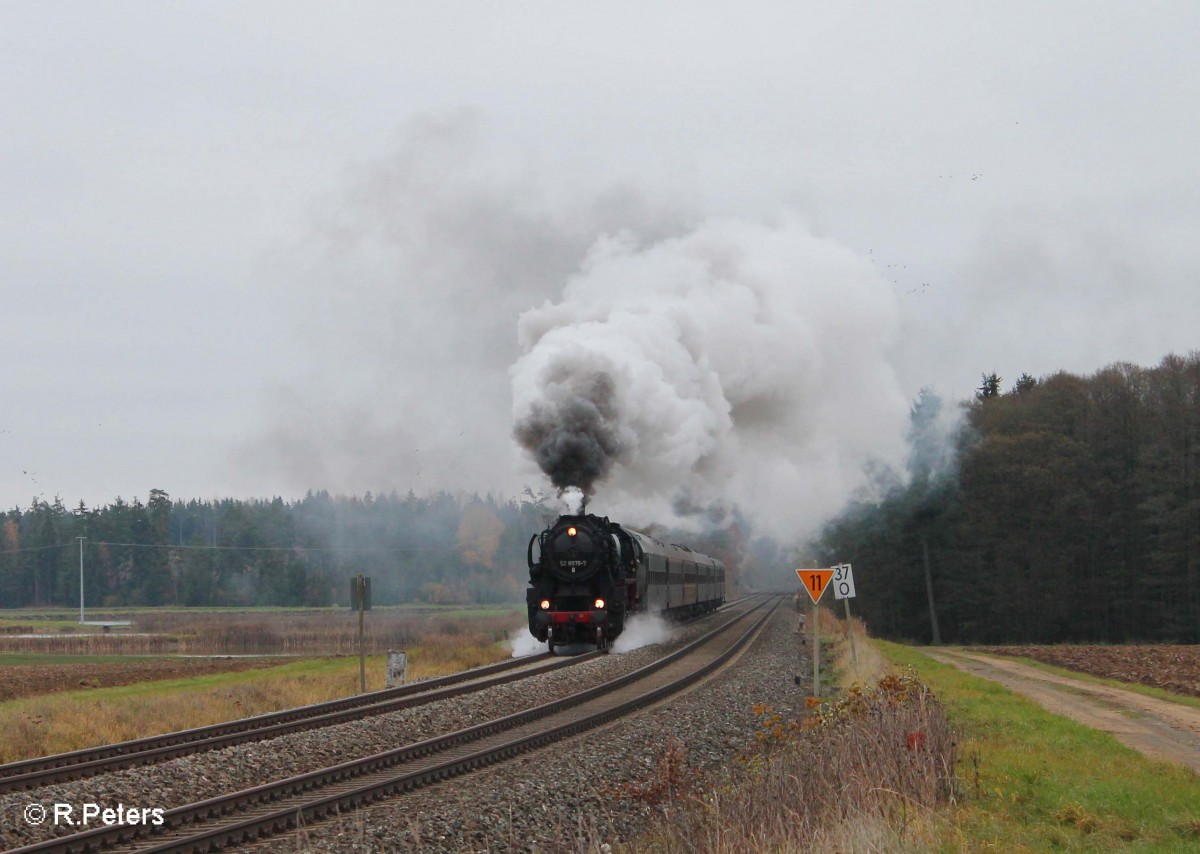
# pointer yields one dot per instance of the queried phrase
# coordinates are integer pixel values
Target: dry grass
(865, 773)
(303, 632)
(57, 723)
(857, 663)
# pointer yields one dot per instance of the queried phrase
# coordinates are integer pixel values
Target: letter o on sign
(843, 581)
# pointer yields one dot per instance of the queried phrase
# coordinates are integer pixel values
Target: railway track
(89, 762)
(253, 814)
(79, 764)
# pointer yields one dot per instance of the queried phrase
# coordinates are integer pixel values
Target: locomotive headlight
(545, 603)
(599, 604)
(571, 532)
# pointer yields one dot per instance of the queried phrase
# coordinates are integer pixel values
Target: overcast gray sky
(251, 248)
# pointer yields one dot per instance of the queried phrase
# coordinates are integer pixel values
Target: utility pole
(362, 648)
(81, 539)
(360, 600)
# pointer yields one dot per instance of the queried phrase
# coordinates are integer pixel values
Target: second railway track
(262, 810)
(80, 764)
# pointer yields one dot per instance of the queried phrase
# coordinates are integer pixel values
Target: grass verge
(1032, 781)
(57, 723)
(863, 773)
(869, 771)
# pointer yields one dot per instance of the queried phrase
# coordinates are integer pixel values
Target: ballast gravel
(533, 803)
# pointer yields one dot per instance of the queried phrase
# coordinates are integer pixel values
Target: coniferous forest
(1065, 508)
(439, 549)
(1062, 508)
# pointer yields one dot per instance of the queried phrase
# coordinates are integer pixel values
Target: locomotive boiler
(588, 575)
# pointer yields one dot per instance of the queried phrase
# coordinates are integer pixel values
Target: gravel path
(525, 798)
(1161, 729)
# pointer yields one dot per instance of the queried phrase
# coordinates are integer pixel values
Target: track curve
(251, 814)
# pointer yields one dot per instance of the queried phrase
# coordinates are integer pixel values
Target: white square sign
(843, 581)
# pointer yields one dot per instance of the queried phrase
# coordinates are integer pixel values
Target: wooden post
(816, 653)
(361, 600)
(850, 631)
(359, 587)
(362, 654)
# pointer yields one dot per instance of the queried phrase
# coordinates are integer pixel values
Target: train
(588, 575)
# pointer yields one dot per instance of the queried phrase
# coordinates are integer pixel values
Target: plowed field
(24, 680)
(1171, 668)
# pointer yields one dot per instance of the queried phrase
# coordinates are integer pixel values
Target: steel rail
(29, 774)
(80, 764)
(386, 781)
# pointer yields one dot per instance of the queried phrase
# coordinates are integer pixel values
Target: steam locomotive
(587, 575)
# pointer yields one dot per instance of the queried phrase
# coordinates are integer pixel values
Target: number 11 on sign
(815, 581)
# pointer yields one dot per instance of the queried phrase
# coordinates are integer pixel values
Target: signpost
(815, 581)
(843, 588)
(360, 600)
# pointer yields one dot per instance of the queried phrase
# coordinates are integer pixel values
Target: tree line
(441, 549)
(1064, 509)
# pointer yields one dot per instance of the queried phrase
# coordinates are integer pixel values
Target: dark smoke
(573, 431)
(735, 359)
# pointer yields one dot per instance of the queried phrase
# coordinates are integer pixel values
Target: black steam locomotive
(587, 575)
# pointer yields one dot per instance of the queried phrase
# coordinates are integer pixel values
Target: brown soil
(1172, 668)
(21, 680)
(1158, 728)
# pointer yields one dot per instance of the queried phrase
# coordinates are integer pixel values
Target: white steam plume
(524, 644)
(407, 289)
(740, 364)
(642, 630)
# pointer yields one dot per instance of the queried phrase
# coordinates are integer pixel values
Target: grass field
(437, 641)
(249, 631)
(1031, 781)
(1022, 779)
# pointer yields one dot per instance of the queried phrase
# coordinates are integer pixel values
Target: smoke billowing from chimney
(738, 365)
(572, 431)
(674, 367)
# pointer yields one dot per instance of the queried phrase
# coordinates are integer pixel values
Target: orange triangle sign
(815, 581)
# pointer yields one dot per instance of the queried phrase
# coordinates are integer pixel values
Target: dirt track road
(1158, 728)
